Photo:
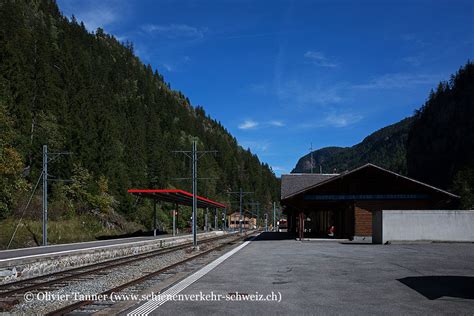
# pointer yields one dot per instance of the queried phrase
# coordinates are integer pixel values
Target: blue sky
(281, 75)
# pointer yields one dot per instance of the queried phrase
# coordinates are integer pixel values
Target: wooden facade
(233, 221)
(346, 201)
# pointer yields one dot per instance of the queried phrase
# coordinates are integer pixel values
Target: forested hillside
(90, 95)
(385, 147)
(441, 142)
(435, 146)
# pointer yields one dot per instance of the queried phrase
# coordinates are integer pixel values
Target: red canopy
(177, 196)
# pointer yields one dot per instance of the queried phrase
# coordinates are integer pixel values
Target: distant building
(233, 221)
(282, 225)
(314, 203)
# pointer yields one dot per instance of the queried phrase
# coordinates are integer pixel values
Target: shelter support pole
(215, 220)
(293, 220)
(301, 225)
(174, 219)
(266, 222)
(256, 222)
(274, 216)
(206, 220)
(290, 222)
(154, 218)
(240, 217)
(224, 215)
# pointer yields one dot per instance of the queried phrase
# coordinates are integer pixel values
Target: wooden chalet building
(315, 202)
(233, 221)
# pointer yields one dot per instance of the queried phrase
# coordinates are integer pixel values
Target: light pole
(241, 194)
(45, 195)
(257, 204)
(46, 159)
(194, 163)
(194, 155)
(274, 216)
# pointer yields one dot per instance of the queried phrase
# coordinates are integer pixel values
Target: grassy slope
(77, 229)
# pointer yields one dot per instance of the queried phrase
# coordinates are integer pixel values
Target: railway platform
(274, 275)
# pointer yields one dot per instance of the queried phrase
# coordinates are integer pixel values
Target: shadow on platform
(434, 287)
(272, 236)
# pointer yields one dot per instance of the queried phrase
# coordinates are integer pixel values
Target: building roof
(237, 214)
(176, 196)
(369, 165)
(295, 182)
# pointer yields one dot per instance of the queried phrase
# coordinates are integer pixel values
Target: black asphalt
(327, 277)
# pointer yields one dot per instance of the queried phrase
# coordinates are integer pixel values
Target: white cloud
(251, 124)
(248, 124)
(276, 123)
(99, 18)
(176, 30)
(303, 93)
(94, 14)
(413, 60)
(398, 80)
(256, 146)
(343, 119)
(279, 169)
(333, 119)
(177, 65)
(299, 94)
(168, 67)
(317, 58)
(122, 38)
(414, 39)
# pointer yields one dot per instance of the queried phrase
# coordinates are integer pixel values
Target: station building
(234, 221)
(347, 201)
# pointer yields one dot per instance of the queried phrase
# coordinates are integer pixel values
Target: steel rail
(75, 273)
(72, 307)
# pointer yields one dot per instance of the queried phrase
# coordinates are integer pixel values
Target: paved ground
(24, 252)
(332, 278)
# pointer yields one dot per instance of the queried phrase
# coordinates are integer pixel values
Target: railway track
(136, 285)
(53, 281)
